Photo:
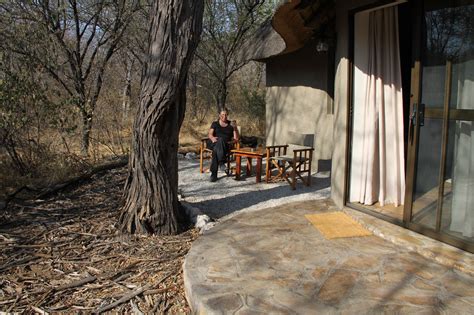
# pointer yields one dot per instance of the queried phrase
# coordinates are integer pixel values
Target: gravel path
(227, 196)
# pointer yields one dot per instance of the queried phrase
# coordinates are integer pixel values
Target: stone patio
(274, 261)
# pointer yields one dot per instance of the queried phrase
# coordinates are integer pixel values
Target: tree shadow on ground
(262, 198)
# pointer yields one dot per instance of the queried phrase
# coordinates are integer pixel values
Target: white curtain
(462, 213)
(377, 163)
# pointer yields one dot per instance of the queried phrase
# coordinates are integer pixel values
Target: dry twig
(69, 257)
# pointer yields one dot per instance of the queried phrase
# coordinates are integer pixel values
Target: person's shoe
(214, 177)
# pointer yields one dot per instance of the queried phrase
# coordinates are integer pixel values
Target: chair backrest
(300, 140)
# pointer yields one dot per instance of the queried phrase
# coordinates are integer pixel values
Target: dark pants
(220, 150)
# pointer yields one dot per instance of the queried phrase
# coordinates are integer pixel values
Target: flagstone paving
(274, 261)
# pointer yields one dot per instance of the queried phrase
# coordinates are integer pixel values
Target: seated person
(221, 134)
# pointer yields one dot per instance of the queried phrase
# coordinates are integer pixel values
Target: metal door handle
(413, 115)
(421, 114)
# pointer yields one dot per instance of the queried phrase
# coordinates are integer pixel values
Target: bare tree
(134, 50)
(151, 204)
(227, 24)
(73, 40)
(449, 33)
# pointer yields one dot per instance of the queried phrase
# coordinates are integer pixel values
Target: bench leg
(293, 179)
(249, 167)
(267, 170)
(201, 157)
(258, 169)
(237, 166)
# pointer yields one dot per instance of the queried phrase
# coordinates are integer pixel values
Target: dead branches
(65, 255)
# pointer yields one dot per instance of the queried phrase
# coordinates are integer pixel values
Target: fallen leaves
(65, 254)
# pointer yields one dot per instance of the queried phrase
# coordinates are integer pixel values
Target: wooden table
(249, 153)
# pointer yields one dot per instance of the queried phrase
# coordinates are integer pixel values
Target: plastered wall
(302, 110)
(299, 100)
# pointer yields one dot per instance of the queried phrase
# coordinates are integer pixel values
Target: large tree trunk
(151, 204)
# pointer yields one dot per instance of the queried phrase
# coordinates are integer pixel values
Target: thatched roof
(292, 25)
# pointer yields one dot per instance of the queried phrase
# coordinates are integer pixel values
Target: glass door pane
(425, 195)
(458, 198)
(443, 193)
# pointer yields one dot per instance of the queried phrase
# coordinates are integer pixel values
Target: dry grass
(60, 162)
(190, 136)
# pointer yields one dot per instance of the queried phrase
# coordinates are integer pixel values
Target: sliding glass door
(440, 165)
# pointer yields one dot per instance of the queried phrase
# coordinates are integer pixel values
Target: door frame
(350, 106)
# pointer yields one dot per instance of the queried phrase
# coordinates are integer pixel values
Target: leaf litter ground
(64, 254)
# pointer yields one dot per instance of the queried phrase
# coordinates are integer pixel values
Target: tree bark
(221, 95)
(127, 90)
(151, 201)
(86, 132)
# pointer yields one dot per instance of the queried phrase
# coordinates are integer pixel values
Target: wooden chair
(206, 153)
(291, 162)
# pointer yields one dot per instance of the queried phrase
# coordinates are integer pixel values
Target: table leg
(259, 169)
(249, 166)
(237, 166)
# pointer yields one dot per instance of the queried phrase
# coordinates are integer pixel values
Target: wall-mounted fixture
(322, 46)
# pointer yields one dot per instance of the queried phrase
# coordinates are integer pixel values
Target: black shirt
(223, 132)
